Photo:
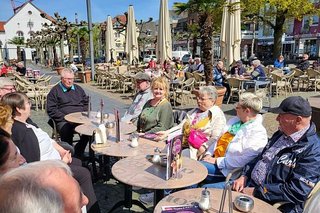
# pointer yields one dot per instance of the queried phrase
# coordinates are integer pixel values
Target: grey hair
(22, 189)
(26, 195)
(252, 101)
(256, 62)
(65, 71)
(211, 91)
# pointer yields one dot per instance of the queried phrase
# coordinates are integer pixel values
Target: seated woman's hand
(210, 159)
(67, 157)
(162, 135)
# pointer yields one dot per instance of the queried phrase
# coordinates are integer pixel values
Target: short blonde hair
(161, 82)
(252, 101)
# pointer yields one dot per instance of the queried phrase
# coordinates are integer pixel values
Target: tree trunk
(205, 20)
(62, 50)
(55, 58)
(194, 46)
(278, 32)
(83, 51)
(18, 53)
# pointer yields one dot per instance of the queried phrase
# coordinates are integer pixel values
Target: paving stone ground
(110, 192)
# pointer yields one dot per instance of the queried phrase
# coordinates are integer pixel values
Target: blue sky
(100, 8)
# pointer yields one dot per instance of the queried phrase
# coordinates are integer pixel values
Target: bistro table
(140, 172)
(121, 149)
(190, 196)
(82, 117)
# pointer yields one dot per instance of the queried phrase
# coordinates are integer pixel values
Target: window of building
(20, 34)
(29, 12)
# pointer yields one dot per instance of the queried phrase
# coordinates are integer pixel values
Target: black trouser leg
(81, 146)
(83, 176)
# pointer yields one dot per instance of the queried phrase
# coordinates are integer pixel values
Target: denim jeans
(215, 178)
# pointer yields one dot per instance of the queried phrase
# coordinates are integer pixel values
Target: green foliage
(18, 41)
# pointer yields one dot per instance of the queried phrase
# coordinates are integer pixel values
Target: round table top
(88, 128)
(123, 148)
(140, 172)
(82, 118)
(189, 196)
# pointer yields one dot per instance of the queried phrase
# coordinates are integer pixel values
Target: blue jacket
(278, 64)
(293, 173)
(217, 76)
(258, 72)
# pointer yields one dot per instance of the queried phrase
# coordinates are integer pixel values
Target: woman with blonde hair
(10, 156)
(157, 113)
(6, 120)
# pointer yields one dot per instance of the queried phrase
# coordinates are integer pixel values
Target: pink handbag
(197, 138)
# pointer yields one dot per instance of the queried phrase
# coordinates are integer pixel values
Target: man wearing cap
(144, 94)
(289, 166)
(238, 69)
(6, 86)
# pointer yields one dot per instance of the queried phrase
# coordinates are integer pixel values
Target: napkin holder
(101, 135)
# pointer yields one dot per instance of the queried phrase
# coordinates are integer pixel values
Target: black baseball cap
(295, 105)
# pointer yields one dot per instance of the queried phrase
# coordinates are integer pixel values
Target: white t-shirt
(47, 150)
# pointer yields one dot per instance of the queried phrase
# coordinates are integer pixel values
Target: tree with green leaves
(276, 12)
(18, 41)
(207, 11)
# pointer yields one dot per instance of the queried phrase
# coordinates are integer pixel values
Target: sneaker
(147, 198)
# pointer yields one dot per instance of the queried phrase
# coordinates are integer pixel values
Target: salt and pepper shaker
(134, 140)
(156, 156)
(204, 202)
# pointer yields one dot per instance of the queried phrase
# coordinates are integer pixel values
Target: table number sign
(101, 111)
(117, 119)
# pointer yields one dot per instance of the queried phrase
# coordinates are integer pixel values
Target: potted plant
(59, 68)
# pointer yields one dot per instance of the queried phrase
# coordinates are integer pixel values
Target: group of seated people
(24, 142)
(283, 168)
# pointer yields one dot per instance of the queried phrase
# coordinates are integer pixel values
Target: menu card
(117, 119)
(174, 160)
(182, 208)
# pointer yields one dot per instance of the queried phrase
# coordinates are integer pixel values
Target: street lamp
(90, 38)
(78, 37)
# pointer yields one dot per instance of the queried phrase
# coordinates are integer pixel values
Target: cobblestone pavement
(110, 192)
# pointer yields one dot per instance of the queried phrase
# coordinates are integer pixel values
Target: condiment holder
(110, 124)
(134, 140)
(156, 157)
(244, 203)
(204, 203)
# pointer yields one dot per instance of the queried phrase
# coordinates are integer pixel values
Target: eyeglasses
(202, 99)
(69, 79)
